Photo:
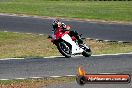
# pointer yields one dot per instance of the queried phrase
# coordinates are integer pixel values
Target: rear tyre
(64, 48)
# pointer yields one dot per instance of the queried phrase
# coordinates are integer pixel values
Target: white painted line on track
(5, 31)
(70, 75)
(4, 79)
(106, 40)
(120, 41)
(55, 76)
(97, 39)
(20, 78)
(12, 58)
(72, 56)
(41, 34)
(93, 55)
(53, 56)
(113, 54)
(35, 77)
(107, 73)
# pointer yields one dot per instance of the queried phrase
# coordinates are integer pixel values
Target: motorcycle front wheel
(87, 51)
(64, 48)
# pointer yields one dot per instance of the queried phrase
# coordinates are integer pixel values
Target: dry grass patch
(32, 45)
(109, 47)
(25, 45)
(34, 83)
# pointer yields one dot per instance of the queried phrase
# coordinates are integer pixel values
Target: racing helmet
(55, 24)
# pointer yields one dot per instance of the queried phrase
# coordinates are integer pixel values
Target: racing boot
(80, 41)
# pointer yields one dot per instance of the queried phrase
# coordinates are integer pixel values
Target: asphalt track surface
(102, 31)
(43, 67)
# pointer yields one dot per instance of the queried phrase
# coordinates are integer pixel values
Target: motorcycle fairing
(75, 47)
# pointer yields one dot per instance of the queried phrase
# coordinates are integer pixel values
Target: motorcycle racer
(68, 42)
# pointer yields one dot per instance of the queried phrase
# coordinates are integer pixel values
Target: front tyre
(87, 51)
(87, 54)
(64, 48)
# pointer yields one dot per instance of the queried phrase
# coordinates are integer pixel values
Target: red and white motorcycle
(68, 45)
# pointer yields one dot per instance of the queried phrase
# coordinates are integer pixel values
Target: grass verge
(25, 45)
(34, 83)
(109, 47)
(104, 10)
(33, 45)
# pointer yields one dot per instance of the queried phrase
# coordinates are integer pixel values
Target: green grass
(104, 10)
(32, 45)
